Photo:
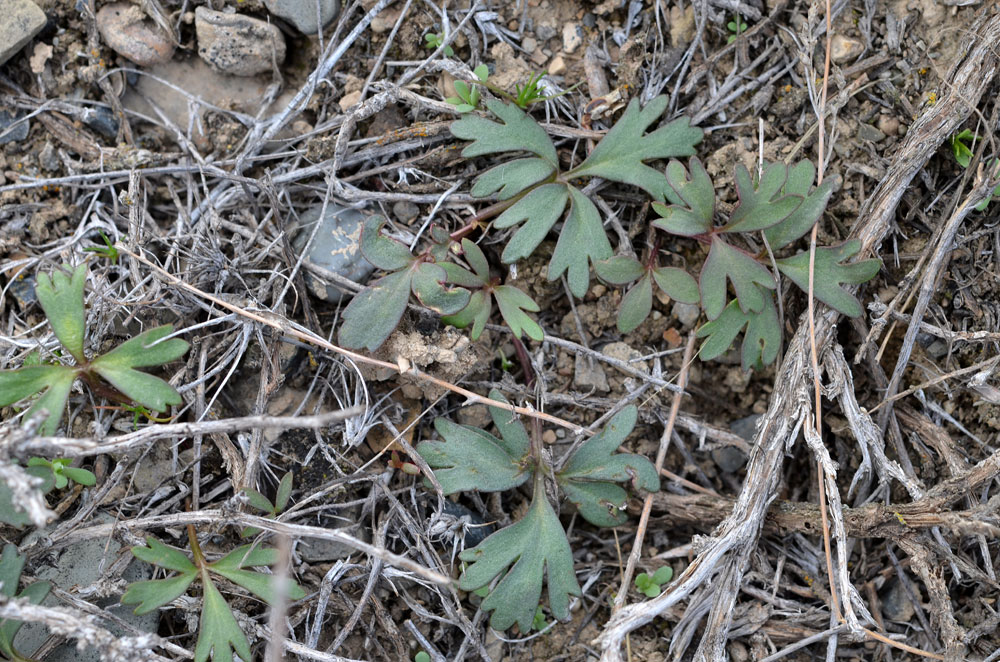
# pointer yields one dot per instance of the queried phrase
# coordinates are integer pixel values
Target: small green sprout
(736, 27)
(107, 251)
(530, 92)
(61, 298)
(219, 635)
(434, 42)
(62, 473)
(650, 585)
(468, 96)
(539, 622)
(263, 504)
(963, 155)
(422, 656)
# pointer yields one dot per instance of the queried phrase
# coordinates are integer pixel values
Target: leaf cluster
(265, 505)
(534, 548)
(11, 565)
(61, 298)
(650, 585)
(963, 155)
(468, 95)
(537, 195)
(219, 635)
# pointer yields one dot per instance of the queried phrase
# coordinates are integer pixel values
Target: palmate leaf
(512, 303)
(232, 567)
(830, 274)
(638, 301)
(760, 342)
(428, 286)
(621, 153)
(800, 221)
(589, 477)
(473, 459)
(761, 204)
(538, 210)
(515, 132)
(511, 178)
(581, 241)
(741, 269)
(146, 349)
(695, 216)
(218, 632)
(476, 312)
(61, 297)
(53, 381)
(536, 547)
(382, 251)
(636, 304)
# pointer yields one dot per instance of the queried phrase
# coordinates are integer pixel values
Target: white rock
(572, 36)
(21, 21)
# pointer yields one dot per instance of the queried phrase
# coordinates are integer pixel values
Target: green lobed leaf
(725, 261)
(53, 400)
(476, 313)
(678, 284)
(761, 341)
(761, 204)
(512, 303)
(159, 554)
(588, 477)
(382, 251)
(538, 210)
(232, 567)
(800, 221)
(697, 193)
(830, 273)
(150, 595)
(473, 459)
(61, 297)
(118, 367)
(516, 131)
(258, 500)
(621, 153)
(582, 240)
(477, 259)
(428, 286)
(16, 385)
(537, 548)
(375, 311)
(619, 269)
(636, 305)
(218, 632)
(511, 178)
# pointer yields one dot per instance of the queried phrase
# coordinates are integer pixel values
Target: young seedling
(264, 505)
(62, 473)
(650, 585)
(107, 251)
(11, 565)
(219, 635)
(61, 298)
(736, 27)
(534, 548)
(434, 41)
(963, 155)
(422, 656)
(468, 95)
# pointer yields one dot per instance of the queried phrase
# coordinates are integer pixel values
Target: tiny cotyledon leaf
(589, 477)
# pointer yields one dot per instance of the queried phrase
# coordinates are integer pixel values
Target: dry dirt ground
(207, 193)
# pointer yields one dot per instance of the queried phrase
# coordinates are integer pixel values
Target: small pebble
(529, 44)
(237, 44)
(22, 20)
(127, 30)
(545, 31)
(572, 36)
(844, 49)
(558, 66)
(102, 120)
(10, 132)
(335, 247)
(405, 211)
(302, 13)
(888, 125)
(686, 313)
(870, 133)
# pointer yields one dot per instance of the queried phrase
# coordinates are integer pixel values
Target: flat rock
(127, 30)
(844, 49)
(237, 44)
(12, 130)
(20, 22)
(335, 248)
(302, 13)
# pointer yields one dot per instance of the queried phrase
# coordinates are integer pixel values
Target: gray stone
(870, 133)
(321, 550)
(336, 247)
(102, 120)
(237, 44)
(729, 458)
(405, 211)
(686, 313)
(127, 31)
(745, 427)
(302, 13)
(81, 565)
(896, 603)
(21, 21)
(10, 132)
(588, 374)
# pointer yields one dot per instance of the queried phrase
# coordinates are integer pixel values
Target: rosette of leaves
(61, 298)
(219, 635)
(534, 550)
(468, 95)
(11, 565)
(541, 193)
(782, 206)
